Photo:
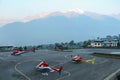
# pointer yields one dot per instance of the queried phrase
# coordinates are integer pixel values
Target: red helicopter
(78, 59)
(17, 52)
(44, 68)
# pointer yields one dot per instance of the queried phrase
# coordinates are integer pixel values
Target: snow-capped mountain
(58, 26)
(68, 13)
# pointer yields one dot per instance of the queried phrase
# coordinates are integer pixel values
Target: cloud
(117, 16)
(41, 15)
(5, 21)
(67, 13)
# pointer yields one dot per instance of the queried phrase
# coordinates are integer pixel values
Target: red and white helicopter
(78, 59)
(17, 52)
(44, 68)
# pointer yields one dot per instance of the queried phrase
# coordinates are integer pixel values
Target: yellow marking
(65, 75)
(20, 72)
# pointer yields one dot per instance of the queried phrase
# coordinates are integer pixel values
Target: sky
(18, 9)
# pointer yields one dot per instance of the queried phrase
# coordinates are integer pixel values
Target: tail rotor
(93, 60)
(58, 70)
(90, 61)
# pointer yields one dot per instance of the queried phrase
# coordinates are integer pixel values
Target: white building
(105, 43)
(111, 43)
(97, 43)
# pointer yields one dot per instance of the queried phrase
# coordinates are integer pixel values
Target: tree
(71, 42)
(20, 48)
(118, 45)
(86, 43)
(25, 48)
(40, 46)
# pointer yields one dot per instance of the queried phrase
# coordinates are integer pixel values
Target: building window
(98, 43)
(95, 43)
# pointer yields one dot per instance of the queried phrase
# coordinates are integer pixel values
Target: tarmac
(22, 67)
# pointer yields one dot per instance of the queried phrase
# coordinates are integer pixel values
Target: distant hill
(59, 27)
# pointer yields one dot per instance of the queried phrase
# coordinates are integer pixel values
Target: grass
(116, 56)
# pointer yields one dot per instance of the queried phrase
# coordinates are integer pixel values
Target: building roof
(6, 46)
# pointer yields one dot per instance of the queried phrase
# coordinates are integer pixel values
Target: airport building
(6, 48)
(109, 41)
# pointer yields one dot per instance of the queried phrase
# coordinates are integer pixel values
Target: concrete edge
(113, 76)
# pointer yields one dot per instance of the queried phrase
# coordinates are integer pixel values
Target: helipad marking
(101, 62)
(28, 78)
(20, 72)
(69, 74)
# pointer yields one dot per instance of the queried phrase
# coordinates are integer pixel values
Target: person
(34, 49)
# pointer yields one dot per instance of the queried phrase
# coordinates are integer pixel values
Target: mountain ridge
(67, 13)
(58, 28)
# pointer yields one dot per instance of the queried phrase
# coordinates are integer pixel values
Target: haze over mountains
(58, 26)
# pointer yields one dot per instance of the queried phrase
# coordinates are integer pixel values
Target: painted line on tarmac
(20, 72)
(28, 78)
(101, 62)
(69, 74)
(113, 75)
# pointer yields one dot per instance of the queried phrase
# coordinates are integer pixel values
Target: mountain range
(58, 26)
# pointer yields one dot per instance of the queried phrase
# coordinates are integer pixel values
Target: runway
(23, 67)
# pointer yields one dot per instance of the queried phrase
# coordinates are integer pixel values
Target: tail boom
(90, 61)
(58, 70)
